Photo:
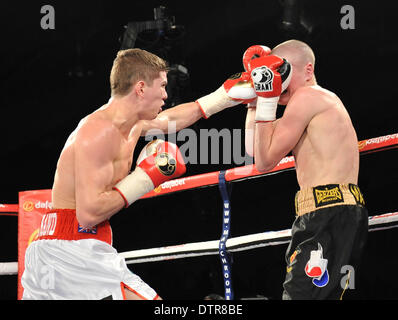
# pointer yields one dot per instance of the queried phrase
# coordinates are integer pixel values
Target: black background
(50, 79)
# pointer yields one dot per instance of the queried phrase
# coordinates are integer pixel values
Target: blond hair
(301, 50)
(131, 66)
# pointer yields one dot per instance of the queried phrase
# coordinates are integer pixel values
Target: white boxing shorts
(67, 262)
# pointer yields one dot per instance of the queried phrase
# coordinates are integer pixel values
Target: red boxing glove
(271, 76)
(158, 162)
(253, 52)
(161, 161)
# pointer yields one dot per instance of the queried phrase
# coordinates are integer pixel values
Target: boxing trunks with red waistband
(62, 224)
(328, 237)
(67, 261)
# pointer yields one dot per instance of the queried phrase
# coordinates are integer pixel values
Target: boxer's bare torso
(99, 152)
(317, 129)
(327, 151)
(119, 149)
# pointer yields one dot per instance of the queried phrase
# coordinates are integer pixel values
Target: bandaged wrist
(266, 109)
(216, 102)
(134, 186)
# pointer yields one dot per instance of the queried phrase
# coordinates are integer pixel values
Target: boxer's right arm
(158, 162)
(97, 145)
(95, 148)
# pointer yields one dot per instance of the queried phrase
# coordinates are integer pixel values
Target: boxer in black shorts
(330, 230)
(328, 237)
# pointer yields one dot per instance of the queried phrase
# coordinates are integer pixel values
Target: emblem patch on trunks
(328, 194)
(80, 229)
(316, 268)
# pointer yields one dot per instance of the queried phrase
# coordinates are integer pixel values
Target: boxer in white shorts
(73, 257)
(77, 264)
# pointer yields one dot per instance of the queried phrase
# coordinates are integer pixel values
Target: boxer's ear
(139, 88)
(309, 71)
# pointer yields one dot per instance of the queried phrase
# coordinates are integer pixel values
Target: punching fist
(271, 76)
(158, 162)
(254, 52)
(236, 90)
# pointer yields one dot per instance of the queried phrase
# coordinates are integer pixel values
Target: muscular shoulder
(95, 134)
(312, 100)
(314, 95)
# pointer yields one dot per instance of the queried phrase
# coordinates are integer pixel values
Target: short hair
(131, 66)
(300, 49)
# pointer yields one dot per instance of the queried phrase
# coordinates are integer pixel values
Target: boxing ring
(225, 245)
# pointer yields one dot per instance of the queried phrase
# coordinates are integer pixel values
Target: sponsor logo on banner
(382, 139)
(44, 205)
(28, 206)
(316, 268)
(170, 185)
(286, 160)
(362, 144)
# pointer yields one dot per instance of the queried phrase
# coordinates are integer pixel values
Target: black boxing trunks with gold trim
(328, 237)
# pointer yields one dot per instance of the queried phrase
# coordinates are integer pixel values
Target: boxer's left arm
(251, 53)
(173, 119)
(250, 128)
(275, 139)
(236, 90)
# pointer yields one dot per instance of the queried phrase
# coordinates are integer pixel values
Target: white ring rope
(242, 243)
(8, 268)
(252, 241)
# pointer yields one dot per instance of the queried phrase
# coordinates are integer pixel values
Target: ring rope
(378, 222)
(367, 146)
(236, 244)
(242, 243)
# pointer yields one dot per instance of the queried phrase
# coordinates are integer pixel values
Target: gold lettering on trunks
(357, 194)
(328, 194)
